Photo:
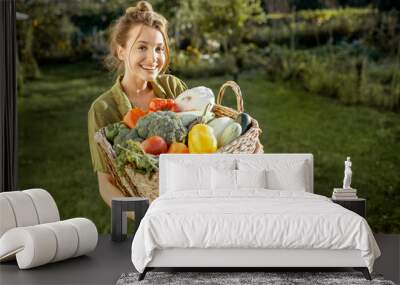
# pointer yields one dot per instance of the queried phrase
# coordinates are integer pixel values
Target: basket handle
(236, 89)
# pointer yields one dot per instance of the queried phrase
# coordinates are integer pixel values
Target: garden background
(320, 76)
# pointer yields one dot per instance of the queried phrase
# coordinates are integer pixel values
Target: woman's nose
(152, 56)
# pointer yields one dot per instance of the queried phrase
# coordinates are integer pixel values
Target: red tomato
(155, 145)
(177, 147)
(158, 104)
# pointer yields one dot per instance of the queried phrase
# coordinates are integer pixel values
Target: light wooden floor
(110, 260)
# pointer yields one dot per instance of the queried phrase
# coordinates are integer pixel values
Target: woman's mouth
(149, 68)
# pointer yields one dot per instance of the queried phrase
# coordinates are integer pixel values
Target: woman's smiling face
(144, 55)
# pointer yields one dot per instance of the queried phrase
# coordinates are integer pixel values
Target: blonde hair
(143, 14)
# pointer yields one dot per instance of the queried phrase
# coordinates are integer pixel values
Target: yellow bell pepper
(202, 139)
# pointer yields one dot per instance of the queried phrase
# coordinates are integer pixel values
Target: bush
(251, 57)
(307, 29)
(318, 78)
(350, 79)
(385, 33)
(94, 45)
(192, 64)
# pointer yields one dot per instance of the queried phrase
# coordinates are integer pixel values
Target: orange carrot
(133, 115)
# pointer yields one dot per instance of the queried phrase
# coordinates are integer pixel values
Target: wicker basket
(247, 142)
(136, 184)
(130, 183)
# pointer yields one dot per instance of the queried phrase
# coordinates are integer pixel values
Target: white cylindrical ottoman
(40, 244)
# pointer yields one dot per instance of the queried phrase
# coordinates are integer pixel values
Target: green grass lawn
(54, 153)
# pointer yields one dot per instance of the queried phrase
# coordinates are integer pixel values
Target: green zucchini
(244, 120)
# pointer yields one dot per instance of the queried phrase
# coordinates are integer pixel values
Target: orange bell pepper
(177, 147)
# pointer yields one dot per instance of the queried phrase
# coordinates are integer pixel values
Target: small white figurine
(347, 174)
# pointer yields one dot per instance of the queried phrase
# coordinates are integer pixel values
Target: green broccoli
(124, 135)
(120, 138)
(164, 124)
(133, 135)
(112, 131)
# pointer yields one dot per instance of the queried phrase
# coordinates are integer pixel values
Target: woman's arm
(108, 190)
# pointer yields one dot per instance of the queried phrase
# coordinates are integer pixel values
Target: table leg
(118, 224)
(119, 216)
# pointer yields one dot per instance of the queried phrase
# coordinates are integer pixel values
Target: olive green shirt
(111, 106)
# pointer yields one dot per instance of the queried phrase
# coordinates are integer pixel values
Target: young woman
(139, 53)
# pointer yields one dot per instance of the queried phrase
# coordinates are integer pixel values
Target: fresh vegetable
(155, 145)
(230, 133)
(177, 147)
(204, 118)
(244, 120)
(164, 124)
(123, 136)
(133, 135)
(130, 119)
(219, 125)
(189, 116)
(195, 99)
(202, 139)
(158, 104)
(112, 131)
(120, 138)
(132, 154)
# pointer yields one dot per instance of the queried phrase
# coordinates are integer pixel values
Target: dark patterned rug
(230, 278)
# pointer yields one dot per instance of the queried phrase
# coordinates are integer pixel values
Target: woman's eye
(142, 48)
(160, 49)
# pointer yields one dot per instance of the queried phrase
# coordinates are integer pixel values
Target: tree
(226, 22)
(56, 23)
(387, 5)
